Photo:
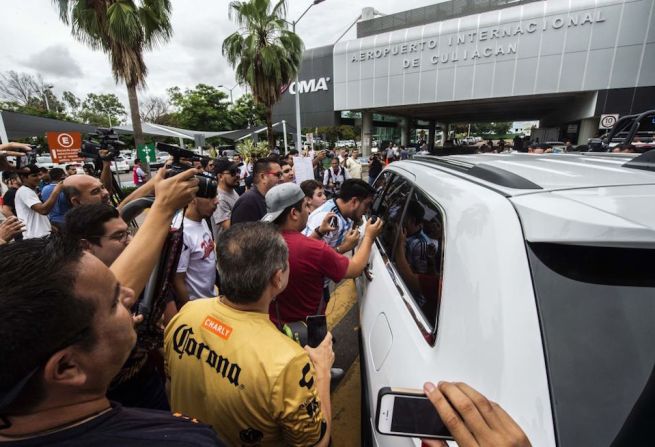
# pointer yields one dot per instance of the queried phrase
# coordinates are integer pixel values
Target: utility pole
(297, 94)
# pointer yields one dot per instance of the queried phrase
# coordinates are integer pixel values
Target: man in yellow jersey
(232, 368)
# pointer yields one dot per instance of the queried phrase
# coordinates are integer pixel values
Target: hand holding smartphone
(448, 411)
(316, 330)
(409, 412)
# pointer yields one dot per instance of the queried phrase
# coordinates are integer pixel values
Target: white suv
(529, 277)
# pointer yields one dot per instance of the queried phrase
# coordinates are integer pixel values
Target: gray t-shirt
(226, 201)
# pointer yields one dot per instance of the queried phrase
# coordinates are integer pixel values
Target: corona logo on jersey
(185, 344)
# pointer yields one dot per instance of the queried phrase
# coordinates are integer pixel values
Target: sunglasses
(277, 174)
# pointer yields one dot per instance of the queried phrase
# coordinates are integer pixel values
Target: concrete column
(431, 132)
(367, 132)
(404, 132)
(588, 129)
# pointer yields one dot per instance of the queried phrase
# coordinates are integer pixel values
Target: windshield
(597, 311)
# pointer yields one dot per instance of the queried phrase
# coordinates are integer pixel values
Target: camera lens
(207, 186)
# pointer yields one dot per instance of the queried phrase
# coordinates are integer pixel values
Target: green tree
(72, 102)
(246, 111)
(202, 108)
(123, 29)
(104, 110)
(263, 52)
(481, 129)
(157, 110)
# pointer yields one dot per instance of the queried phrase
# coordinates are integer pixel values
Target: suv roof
(517, 174)
(567, 198)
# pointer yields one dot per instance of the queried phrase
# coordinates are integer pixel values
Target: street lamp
(297, 95)
(230, 89)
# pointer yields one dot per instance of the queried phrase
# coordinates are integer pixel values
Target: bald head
(85, 190)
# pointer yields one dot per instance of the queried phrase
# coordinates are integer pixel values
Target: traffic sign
(608, 121)
(146, 152)
(64, 146)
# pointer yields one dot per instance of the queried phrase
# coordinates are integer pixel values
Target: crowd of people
(89, 360)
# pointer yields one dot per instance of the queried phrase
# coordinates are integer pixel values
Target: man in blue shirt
(60, 209)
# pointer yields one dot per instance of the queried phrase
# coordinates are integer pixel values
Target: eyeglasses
(119, 236)
(277, 174)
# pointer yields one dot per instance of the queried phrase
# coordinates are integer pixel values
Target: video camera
(207, 184)
(102, 139)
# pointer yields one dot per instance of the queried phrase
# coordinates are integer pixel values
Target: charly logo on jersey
(185, 344)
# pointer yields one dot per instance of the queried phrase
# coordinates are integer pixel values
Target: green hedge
(127, 190)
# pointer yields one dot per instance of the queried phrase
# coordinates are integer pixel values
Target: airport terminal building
(562, 62)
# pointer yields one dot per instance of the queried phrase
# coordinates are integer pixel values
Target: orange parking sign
(64, 146)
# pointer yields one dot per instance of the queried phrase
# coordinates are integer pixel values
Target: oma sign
(309, 86)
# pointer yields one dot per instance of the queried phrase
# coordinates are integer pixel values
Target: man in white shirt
(353, 166)
(334, 177)
(196, 269)
(29, 207)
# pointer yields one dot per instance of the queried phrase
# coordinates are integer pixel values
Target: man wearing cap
(227, 174)
(310, 260)
(29, 207)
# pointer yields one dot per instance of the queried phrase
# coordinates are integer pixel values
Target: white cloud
(56, 61)
(33, 36)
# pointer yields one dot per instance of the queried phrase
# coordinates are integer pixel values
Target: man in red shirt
(310, 260)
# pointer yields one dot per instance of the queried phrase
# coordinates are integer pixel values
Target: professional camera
(207, 184)
(102, 139)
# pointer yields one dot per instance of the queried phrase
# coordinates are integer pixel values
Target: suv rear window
(597, 312)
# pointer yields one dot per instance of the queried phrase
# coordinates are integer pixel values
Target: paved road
(126, 179)
(343, 320)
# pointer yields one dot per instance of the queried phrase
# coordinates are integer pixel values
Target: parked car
(45, 161)
(129, 157)
(162, 157)
(119, 164)
(345, 143)
(529, 278)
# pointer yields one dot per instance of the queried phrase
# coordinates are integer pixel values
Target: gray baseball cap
(281, 197)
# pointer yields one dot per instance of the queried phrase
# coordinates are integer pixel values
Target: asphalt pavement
(343, 320)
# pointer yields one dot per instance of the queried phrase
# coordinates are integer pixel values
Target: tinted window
(390, 208)
(597, 310)
(418, 254)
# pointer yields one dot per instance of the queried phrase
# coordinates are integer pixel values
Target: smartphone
(374, 219)
(334, 222)
(21, 161)
(316, 330)
(409, 413)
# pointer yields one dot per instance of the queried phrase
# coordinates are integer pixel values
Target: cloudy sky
(35, 41)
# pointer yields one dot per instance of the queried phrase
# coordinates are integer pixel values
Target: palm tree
(264, 53)
(123, 29)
